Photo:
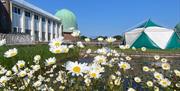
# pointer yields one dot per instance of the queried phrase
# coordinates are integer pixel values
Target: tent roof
(177, 27)
(148, 23)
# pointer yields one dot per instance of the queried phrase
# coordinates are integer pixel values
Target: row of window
(28, 14)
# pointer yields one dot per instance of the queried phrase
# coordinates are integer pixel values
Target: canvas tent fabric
(152, 36)
(177, 29)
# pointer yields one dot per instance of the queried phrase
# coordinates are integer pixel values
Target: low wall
(16, 39)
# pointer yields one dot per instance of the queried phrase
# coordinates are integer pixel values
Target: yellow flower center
(77, 69)
(124, 66)
(93, 75)
(164, 82)
(57, 43)
(21, 65)
(13, 54)
(58, 51)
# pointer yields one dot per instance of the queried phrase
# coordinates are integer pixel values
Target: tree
(118, 37)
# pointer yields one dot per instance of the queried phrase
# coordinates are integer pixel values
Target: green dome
(68, 20)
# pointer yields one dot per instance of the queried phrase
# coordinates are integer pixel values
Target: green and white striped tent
(152, 36)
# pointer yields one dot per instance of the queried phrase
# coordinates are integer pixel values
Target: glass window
(27, 14)
(43, 19)
(14, 9)
(18, 11)
(36, 17)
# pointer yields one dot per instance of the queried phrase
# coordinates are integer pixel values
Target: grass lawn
(27, 53)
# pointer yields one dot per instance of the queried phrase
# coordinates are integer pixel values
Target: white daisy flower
(165, 66)
(100, 59)
(110, 39)
(76, 68)
(158, 76)
(124, 65)
(50, 61)
(20, 63)
(165, 82)
(56, 42)
(11, 53)
(75, 33)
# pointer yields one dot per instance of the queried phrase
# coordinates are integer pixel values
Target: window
(27, 14)
(15, 30)
(36, 17)
(49, 22)
(16, 10)
(43, 19)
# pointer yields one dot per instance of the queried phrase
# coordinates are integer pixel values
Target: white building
(27, 18)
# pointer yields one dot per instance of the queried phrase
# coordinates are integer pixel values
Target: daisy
(76, 68)
(143, 49)
(22, 74)
(96, 67)
(156, 57)
(75, 33)
(158, 76)
(165, 66)
(145, 69)
(165, 82)
(56, 42)
(50, 61)
(100, 59)
(149, 83)
(20, 64)
(11, 53)
(177, 72)
(137, 79)
(110, 39)
(94, 74)
(131, 89)
(124, 65)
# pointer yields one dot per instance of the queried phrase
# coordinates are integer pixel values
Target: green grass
(27, 53)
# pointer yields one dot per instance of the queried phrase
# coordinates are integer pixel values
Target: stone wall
(16, 39)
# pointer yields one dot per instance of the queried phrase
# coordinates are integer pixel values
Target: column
(60, 30)
(46, 30)
(23, 21)
(56, 30)
(11, 15)
(40, 28)
(32, 27)
(52, 30)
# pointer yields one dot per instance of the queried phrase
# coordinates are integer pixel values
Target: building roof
(68, 20)
(34, 8)
(148, 23)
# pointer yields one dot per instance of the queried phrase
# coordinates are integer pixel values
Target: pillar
(40, 28)
(56, 30)
(46, 30)
(52, 30)
(60, 30)
(32, 27)
(23, 21)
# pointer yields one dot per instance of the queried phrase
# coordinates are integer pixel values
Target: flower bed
(58, 67)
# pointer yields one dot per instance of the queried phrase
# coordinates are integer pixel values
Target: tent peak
(148, 23)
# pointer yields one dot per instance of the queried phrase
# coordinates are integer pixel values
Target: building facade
(29, 19)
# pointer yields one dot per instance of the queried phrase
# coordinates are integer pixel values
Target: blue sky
(114, 17)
